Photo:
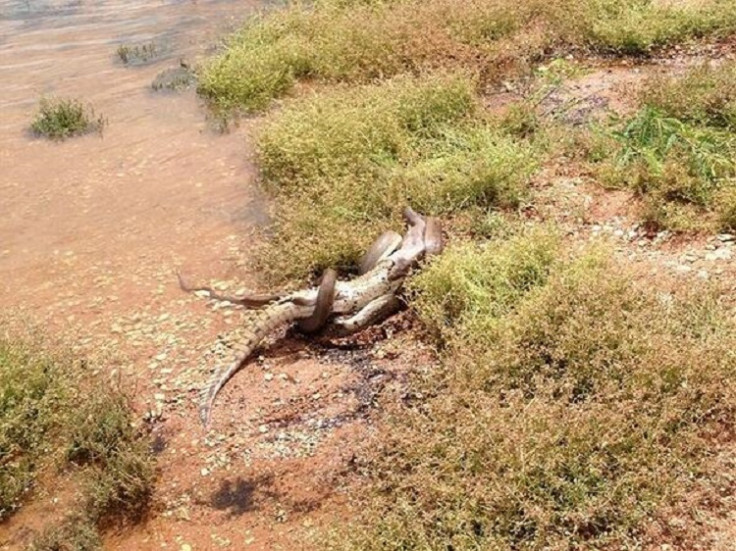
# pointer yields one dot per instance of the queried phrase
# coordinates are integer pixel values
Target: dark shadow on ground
(238, 496)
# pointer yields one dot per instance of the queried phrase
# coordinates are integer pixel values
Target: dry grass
(337, 41)
(574, 404)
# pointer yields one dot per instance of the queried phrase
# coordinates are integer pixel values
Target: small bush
(678, 167)
(53, 413)
(574, 403)
(120, 477)
(726, 207)
(60, 118)
(138, 54)
(356, 157)
(34, 389)
(480, 282)
(179, 78)
(73, 534)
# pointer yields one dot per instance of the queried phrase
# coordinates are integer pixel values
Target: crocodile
(343, 307)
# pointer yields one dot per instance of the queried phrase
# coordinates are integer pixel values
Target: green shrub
(678, 167)
(120, 477)
(573, 405)
(54, 413)
(34, 388)
(355, 157)
(60, 118)
(472, 283)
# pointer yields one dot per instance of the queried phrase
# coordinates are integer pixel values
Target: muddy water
(92, 230)
(159, 190)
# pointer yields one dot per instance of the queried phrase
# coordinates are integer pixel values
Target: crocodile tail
(266, 321)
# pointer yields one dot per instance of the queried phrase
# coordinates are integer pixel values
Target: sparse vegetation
(678, 151)
(61, 118)
(337, 41)
(574, 403)
(73, 534)
(179, 78)
(704, 95)
(355, 156)
(138, 54)
(56, 414)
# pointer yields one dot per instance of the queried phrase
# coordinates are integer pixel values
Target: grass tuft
(138, 54)
(60, 118)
